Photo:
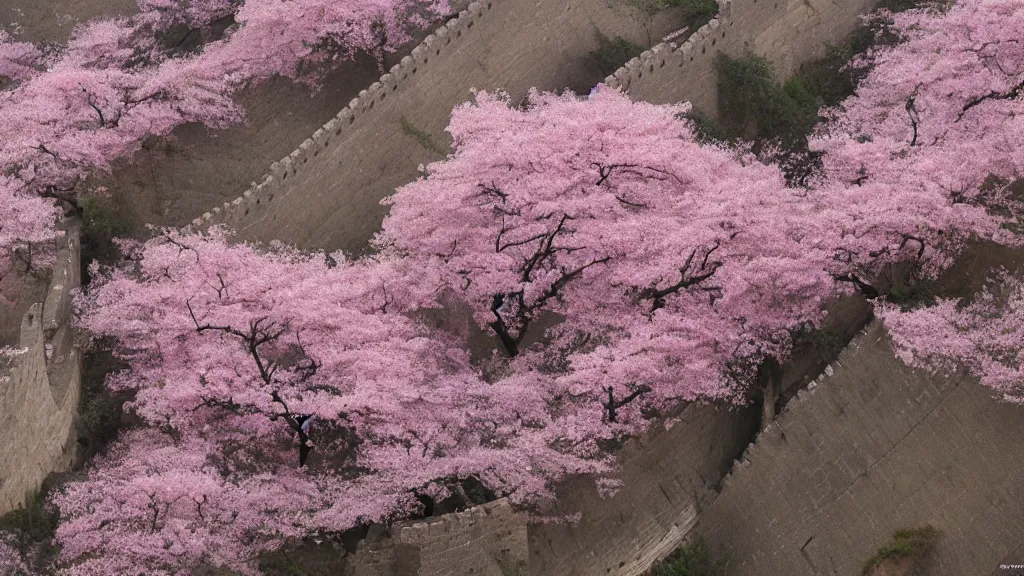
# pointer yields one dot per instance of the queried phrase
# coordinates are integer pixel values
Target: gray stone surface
(875, 447)
(39, 394)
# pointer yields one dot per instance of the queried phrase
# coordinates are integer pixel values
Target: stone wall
(786, 32)
(326, 193)
(669, 475)
(874, 447)
(39, 395)
(488, 540)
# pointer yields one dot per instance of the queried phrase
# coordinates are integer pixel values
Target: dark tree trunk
(769, 376)
(507, 341)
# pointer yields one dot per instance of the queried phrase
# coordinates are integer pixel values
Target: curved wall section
(39, 395)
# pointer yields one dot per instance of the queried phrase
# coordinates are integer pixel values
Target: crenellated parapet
(870, 447)
(486, 540)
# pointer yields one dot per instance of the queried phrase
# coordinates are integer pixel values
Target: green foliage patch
(32, 525)
(907, 543)
(423, 137)
(101, 412)
(755, 105)
(612, 53)
(693, 559)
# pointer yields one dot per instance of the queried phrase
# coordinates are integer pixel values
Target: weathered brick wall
(873, 447)
(479, 541)
(786, 32)
(39, 395)
(326, 194)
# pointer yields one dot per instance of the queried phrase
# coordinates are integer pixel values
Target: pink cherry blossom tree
(284, 396)
(665, 270)
(925, 156)
(18, 60)
(921, 158)
(983, 336)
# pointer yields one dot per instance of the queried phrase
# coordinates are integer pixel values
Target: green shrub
(423, 137)
(100, 217)
(908, 543)
(101, 412)
(31, 527)
(707, 129)
(908, 295)
(911, 289)
(752, 102)
(103, 219)
(693, 559)
(696, 12)
(612, 53)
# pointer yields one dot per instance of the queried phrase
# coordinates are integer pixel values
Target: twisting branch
(605, 172)
(914, 119)
(911, 238)
(42, 148)
(492, 190)
(93, 105)
(65, 195)
(612, 405)
(869, 291)
(261, 331)
(513, 304)
(222, 291)
(182, 247)
(1012, 93)
(688, 276)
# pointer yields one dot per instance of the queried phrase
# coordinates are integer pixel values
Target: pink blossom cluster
(983, 336)
(666, 261)
(934, 144)
(922, 155)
